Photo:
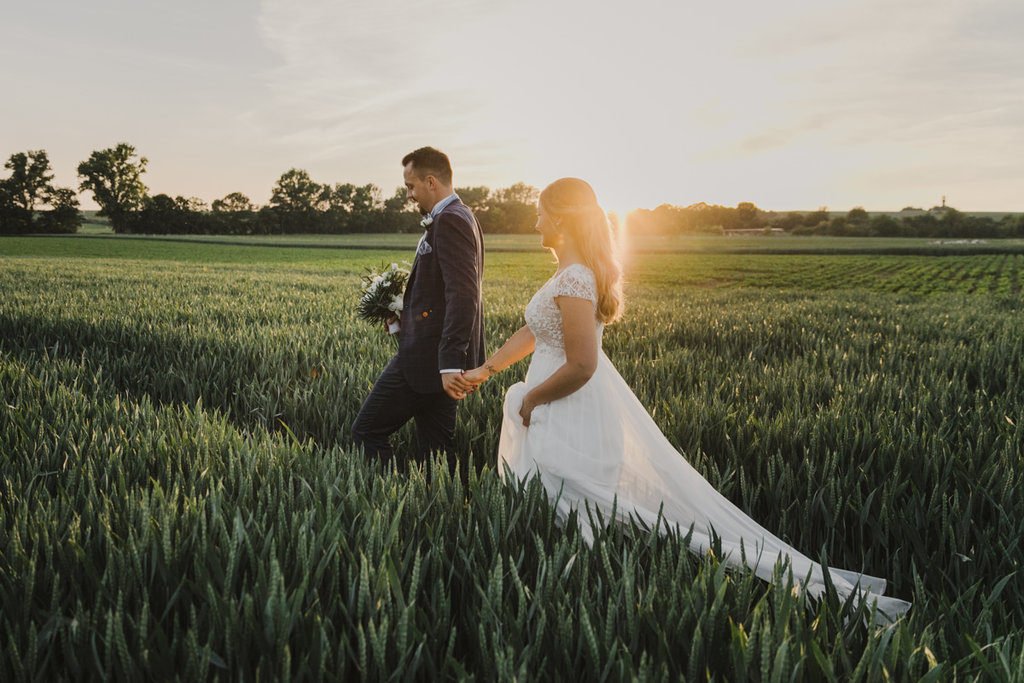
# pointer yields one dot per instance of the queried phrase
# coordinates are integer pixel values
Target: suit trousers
(391, 404)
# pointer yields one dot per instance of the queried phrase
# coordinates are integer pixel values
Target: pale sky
(789, 104)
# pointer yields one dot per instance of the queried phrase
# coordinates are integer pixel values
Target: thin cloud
(352, 70)
(790, 104)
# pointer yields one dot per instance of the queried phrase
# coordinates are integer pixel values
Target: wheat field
(179, 497)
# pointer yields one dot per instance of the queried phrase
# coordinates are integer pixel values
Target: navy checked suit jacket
(442, 322)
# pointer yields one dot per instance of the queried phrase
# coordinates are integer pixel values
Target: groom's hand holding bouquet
(381, 297)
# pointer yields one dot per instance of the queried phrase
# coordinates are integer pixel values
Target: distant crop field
(681, 244)
(178, 491)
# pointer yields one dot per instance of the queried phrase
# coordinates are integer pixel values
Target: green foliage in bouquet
(382, 291)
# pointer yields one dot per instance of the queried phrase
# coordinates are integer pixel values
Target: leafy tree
(29, 185)
(788, 221)
(510, 209)
(30, 178)
(519, 193)
(160, 215)
(14, 219)
(356, 208)
(63, 215)
(857, 215)
(1012, 226)
(340, 198)
(296, 191)
(299, 204)
(398, 215)
(837, 227)
(235, 214)
(398, 201)
(885, 226)
(747, 216)
(233, 202)
(366, 199)
(924, 225)
(816, 218)
(194, 204)
(476, 198)
(114, 176)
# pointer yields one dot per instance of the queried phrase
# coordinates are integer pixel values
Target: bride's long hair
(574, 202)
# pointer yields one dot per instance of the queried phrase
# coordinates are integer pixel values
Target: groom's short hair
(430, 161)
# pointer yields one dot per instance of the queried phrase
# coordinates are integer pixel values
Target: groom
(442, 331)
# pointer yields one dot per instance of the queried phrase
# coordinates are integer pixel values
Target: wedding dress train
(599, 447)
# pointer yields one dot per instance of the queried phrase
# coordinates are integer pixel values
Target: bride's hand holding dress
(580, 340)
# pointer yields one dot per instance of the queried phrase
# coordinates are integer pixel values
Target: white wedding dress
(599, 447)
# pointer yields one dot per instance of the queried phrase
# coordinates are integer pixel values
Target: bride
(576, 424)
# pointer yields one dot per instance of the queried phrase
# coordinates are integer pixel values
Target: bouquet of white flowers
(381, 298)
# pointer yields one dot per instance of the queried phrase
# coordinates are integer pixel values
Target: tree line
(298, 203)
(710, 219)
(30, 203)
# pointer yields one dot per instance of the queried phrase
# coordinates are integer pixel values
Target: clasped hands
(459, 385)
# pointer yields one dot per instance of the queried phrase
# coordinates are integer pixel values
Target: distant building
(941, 211)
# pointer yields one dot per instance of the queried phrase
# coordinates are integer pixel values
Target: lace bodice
(542, 314)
